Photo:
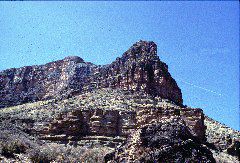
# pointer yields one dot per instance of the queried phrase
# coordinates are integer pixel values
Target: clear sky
(198, 40)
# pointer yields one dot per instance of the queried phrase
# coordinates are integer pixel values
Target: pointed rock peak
(73, 58)
(141, 50)
(141, 69)
(144, 44)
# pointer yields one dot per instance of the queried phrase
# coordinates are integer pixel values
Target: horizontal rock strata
(113, 123)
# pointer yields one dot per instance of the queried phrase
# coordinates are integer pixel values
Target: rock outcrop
(138, 69)
(168, 140)
(101, 122)
(223, 139)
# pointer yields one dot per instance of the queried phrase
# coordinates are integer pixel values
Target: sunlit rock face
(139, 68)
(33, 83)
(103, 121)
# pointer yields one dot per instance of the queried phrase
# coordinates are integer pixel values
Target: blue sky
(198, 40)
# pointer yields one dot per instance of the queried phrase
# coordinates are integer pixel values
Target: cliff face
(138, 69)
(58, 79)
(112, 123)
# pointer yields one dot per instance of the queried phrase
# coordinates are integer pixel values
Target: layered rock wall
(99, 122)
(138, 69)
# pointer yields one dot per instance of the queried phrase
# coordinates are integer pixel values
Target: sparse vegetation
(17, 142)
(103, 98)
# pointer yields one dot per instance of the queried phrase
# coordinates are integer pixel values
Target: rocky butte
(128, 111)
(138, 69)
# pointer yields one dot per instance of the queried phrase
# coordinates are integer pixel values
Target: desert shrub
(66, 153)
(9, 148)
(43, 155)
(94, 155)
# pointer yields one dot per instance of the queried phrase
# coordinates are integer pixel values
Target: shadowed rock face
(139, 68)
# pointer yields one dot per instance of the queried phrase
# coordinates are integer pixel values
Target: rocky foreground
(128, 111)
